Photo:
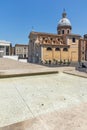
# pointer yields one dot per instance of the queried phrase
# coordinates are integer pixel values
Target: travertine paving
(44, 101)
(9, 67)
(49, 102)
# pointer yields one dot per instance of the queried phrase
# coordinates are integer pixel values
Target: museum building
(5, 48)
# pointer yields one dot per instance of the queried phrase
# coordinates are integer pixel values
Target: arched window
(68, 31)
(65, 49)
(49, 49)
(58, 32)
(62, 31)
(57, 49)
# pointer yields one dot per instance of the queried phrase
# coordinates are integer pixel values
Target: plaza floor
(9, 68)
(46, 102)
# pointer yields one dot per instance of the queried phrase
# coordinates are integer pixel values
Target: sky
(19, 17)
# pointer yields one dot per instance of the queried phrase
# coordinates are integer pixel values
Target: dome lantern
(64, 14)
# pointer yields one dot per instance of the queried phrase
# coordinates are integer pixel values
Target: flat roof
(3, 41)
(21, 45)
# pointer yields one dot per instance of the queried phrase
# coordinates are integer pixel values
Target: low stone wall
(23, 60)
(11, 57)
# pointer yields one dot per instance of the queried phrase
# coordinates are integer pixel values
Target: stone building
(5, 48)
(83, 49)
(21, 50)
(13, 50)
(61, 46)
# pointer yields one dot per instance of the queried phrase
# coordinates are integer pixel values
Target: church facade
(63, 46)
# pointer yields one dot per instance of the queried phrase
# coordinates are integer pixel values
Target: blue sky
(18, 16)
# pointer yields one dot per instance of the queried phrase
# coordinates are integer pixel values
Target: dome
(64, 21)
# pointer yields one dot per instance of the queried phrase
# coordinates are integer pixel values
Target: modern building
(21, 50)
(61, 46)
(5, 48)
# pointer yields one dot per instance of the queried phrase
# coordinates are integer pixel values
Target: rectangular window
(73, 40)
(7, 50)
(82, 52)
(62, 31)
(1, 46)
